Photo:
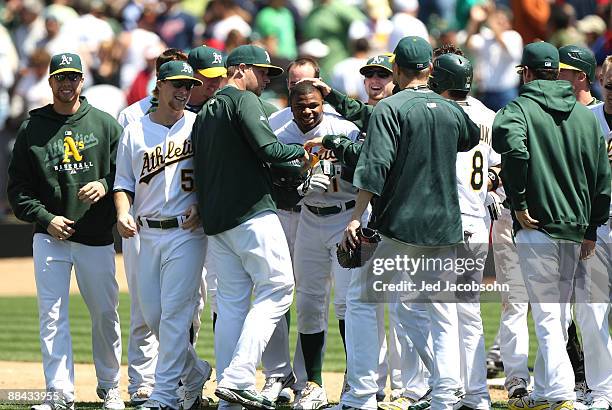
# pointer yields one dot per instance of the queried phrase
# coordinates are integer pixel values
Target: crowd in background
(119, 41)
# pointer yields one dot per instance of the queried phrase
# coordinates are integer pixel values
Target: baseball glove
(367, 242)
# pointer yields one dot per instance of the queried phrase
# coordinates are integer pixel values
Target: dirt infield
(17, 278)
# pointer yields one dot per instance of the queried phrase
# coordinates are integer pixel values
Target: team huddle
(222, 198)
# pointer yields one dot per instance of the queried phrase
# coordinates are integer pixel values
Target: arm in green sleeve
(345, 150)
(22, 181)
(279, 152)
(353, 110)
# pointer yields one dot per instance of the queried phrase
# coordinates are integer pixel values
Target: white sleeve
(494, 158)
(124, 174)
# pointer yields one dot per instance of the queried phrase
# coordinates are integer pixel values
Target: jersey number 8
(477, 178)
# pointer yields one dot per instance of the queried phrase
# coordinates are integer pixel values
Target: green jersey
(233, 145)
(408, 161)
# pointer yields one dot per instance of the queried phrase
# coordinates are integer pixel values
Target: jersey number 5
(477, 178)
(187, 180)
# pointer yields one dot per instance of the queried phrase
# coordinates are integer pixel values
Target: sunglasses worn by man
(182, 83)
(377, 73)
(70, 76)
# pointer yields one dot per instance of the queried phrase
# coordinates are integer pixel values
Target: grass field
(19, 340)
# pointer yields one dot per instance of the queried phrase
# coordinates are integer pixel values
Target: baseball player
(577, 65)
(321, 218)
(233, 142)
(142, 344)
(62, 167)
(557, 206)
(155, 156)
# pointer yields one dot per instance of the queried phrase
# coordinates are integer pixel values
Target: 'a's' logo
(71, 148)
(66, 59)
(218, 58)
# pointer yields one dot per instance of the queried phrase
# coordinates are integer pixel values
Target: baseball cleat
(111, 397)
(423, 403)
(154, 405)
(141, 395)
(193, 399)
(246, 398)
(380, 396)
(527, 402)
(275, 385)
(58, 404)
(600, 404)
(311, 397)
(516, 387)
(583, 396)
(284, 396)
(400, 403)
(562, 405)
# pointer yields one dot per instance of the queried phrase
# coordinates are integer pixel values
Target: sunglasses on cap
(377, 73)
(70, 76)
(182, 83)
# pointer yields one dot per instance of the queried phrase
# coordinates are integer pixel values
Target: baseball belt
(330, 210)
(169, 223)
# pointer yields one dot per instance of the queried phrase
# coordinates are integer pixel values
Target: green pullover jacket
(56, 155)
(554, 160)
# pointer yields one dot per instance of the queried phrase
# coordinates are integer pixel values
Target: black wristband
(494, 177)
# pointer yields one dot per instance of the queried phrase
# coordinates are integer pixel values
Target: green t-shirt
(233, 143)
(408, 161)
(278, 23)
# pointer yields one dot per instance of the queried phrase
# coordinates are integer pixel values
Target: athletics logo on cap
(187, 68)
(377, 60)
(65, 60)
(267, 57)
(218, 58)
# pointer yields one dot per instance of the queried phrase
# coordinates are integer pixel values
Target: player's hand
(306, 158)
(92, 192)
(60, 228)
(315, 142)
(193, 219)
(314, 183)
(526, 221)
(126, 226)
(324, 88)
(349, 240)
(587, 249)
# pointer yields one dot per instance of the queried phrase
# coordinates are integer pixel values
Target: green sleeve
(22, 182)
(600, 205)
(115, 132)
(379, 150)
(268, 108)
(345, 150)
(509, 140)
(353, 110)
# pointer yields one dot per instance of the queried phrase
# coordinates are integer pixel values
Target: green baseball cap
(253, 55)
(176, 70)
(540, 55)
(207, 61)
(413, 52)
(61, 63)
(379, 61)
(579, 59)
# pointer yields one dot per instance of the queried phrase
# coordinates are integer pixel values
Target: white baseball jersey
(135, 111)
(598, 110)
(155, 162)
(285, 116)
(339, 189)
(472, 166)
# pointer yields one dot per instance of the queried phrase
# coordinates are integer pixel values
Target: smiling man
(62, 167)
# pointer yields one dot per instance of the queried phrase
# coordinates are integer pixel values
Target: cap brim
(568, 67)
(273, 71)
(65, 70)
(183, 77)
(213, 72)
(363, 69)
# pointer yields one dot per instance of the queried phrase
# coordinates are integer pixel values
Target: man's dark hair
(545, 74)
(305, 61)
(447, 49)
(361, 45)
(410, 73)
(303, 88)
(458, 94)
(170, 54)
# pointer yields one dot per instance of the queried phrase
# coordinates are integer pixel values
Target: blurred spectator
(223, 16)
(32, 89)
(530, 18)
(377, 28)
(234, 39)
(30, 30)
(437, 9)
(135, 42)
(592, 27)
(61, 10)
(8, 68)
(583, 7)
(276, 21)
(92, 27)
(145, 80)
(463, 9)
(346, 77)
(497, 50)
(562, 26)
(329, 21)
(405, 23)
(176, 28)
(107, 69)
(107, 98)
(57, 40)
